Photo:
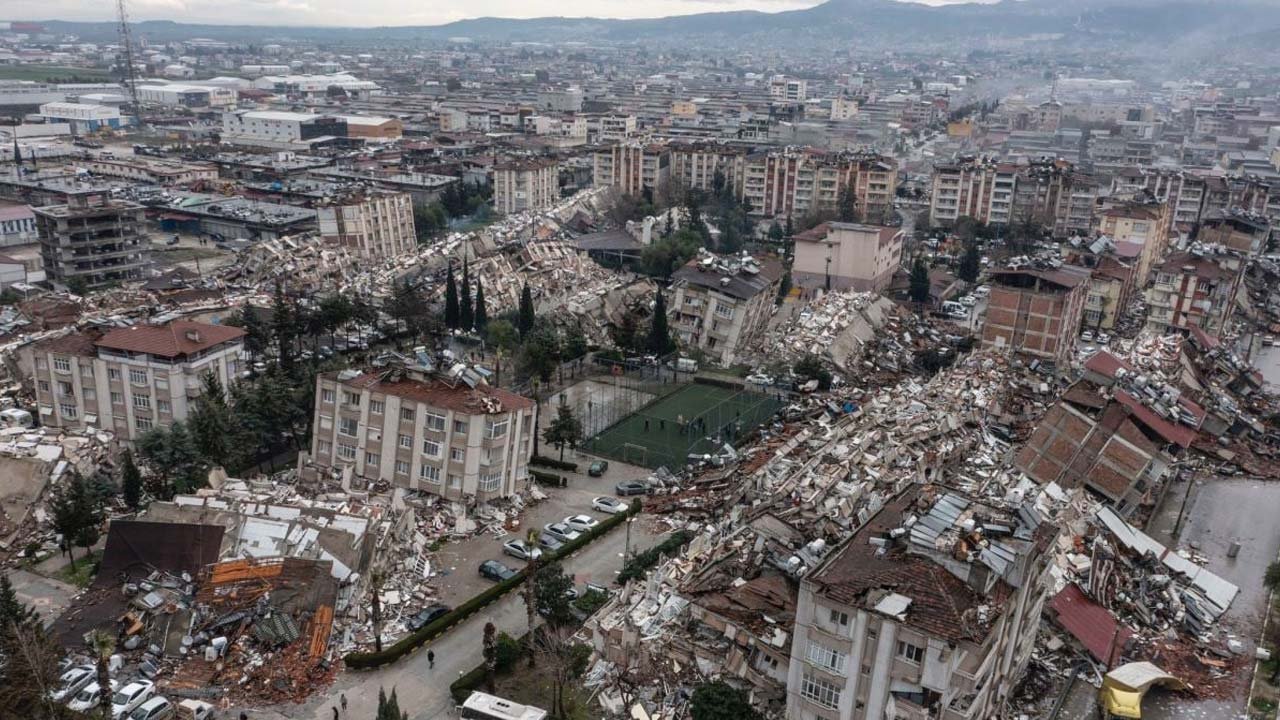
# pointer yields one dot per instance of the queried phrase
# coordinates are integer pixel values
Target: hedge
(553, 463)
(640, 564)
(547, 478)
(462, 688)
(415, 640)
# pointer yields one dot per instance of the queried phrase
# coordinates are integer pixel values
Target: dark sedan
(495, 570)
(426, 616)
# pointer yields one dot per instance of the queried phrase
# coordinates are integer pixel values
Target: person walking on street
(431, 658)
(344, 703)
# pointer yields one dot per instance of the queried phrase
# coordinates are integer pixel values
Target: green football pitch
(696, 418)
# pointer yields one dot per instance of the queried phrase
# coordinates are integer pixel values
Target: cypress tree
(451, 302)
(659, 334)
(482, 312)
(526, 317)
(466, 314)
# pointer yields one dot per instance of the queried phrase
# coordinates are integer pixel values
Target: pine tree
(482, 312)
(284, 327)
(466, 315)
(970, 263)
(790, 229)
(524, 321)
(77, 514)
(451, 302)
(919, 281)
(660, 342)
(130, 480)
(12, 611)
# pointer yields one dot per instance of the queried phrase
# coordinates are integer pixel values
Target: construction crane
(130, 78)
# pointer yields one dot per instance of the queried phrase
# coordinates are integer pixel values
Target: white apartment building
(632, 167)
(129, 380)
(721, 304)
(417, 430)
(903, 622)
(528, 184)
(847, 255)
(616, 127)
(782, 87)
(374, 225)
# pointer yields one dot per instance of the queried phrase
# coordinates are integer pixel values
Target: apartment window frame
(820, 692)
(377, 407)
(434, 422)
(494, 429)
(457, 455)
(490, 482)
(142, 402)
(61, 364)
(910, 653)
(327, 395)
(163, 406)
(372, 459)
(829, 659)
(137, 376)
(349, 427)
(117, 397)
(402, 467)
(346, 452)
(432, 448)
(430, 474)
(142, 423)
(405, 441)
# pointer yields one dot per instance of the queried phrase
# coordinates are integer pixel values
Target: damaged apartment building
(416, 424)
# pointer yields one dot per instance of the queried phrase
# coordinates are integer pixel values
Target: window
(435, 422)
(431, 448)
(86, 370)
(461, 426)
(66, 388)
(162, 384)
(377, 407)
(371, 459)
(346, 452)
(323, 447)
(406, 414)
(826, 658)
(839, 618)
(138, 377)
(402, 467)
(143, 424)
(117, 398)
(406, 441)
(62, 364)
(326, 395)
(43, 385)
(430, 473)
(724, 311)
(495, 429)
(455, 481)
(820, 691)
(68, 411)
(163, 406)
(457, 454)
(351, 398)
(911, 653)
(142, 401)
(348, 426)
(113, 374)
(490, 481)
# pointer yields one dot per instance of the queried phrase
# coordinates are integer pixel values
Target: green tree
(213, 426)
(551, 588)
(502, 334)
(626, 334)
(970, 263)
(1271, 579)
(285, 327)
(575, 343)
(565, 429)
(174, 460)
(466, 311)
(775, 231)
(811, 367)
(790, 229)
(130, 480)
(29, 671)
(719, 701)
(256, 336)
(389, 707)
(918, 289)
(12, 611)
(784, 287)
(540, 354)
(482, 311)
(452, 311)
(407, 308)
(77, 514)
(103, 645)
(660, 342)
(848, 205)
(525, 316)
(531, 538)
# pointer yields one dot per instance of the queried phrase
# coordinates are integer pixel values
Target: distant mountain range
(873, 22)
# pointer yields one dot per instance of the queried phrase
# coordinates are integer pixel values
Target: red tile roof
(1090, 623)
(176, 339)
(438, 393)
(1176, 433)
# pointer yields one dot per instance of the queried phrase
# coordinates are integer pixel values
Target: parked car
(426, 616)
(196, 710)
(549, 543)
(131, 696)
(157, 708)
(89, 698)
(606, 504)
(73, 681)
(598, 468)
(968, 301)
(631, 487)
(759, 379)
(1087, 336)
(520, 549)
(581, 523)
(495, 570)
(561, 532)
(1103, 338)
(982, 291)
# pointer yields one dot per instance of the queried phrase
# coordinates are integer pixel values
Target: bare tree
(29, 673)
(530, 589)
(490, 654)
(629, 678)
(376, 578)
(103, 645)
(562, 661)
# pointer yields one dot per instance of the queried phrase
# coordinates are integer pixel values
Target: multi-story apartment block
(93, 239)
(695, 164)
(907, 620)
(1244, 232)
(1036, 312)
(616, 127)
(526, 184)
(129, 380)
(1194, 290)
(1139, 225)
(1047, 192)
(837, 255)
(453, 436)
(632, 167)
(973, 187)
(788, 89)
(372, 224)
(722, 303)
(1185, 191)
(797, 181)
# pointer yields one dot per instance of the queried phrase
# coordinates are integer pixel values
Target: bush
(547, 478)
(641, 563)
(553, 463)
(509, 651)
(413, 641)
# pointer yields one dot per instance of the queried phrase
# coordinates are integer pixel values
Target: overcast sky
(365, 13)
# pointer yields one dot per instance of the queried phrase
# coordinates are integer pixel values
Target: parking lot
(460, 562)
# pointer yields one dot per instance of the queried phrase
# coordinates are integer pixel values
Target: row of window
(493, 430)
(489, 482)
(136, 376)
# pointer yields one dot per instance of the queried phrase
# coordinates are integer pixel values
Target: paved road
(423, 691)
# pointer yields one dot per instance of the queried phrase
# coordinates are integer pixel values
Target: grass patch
(82, 574)
(1264, 705)
(55, 73)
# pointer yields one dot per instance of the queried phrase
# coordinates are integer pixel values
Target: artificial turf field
(696, 418)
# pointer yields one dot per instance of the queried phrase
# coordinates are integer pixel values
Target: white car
(131, 696)
(968, 301)
(89, 698)
(73, 681)
(581, 523)
(608, 505)
(1103, 338)
(157, 708)
(759, 379)
(518, 549)
(982, 291)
